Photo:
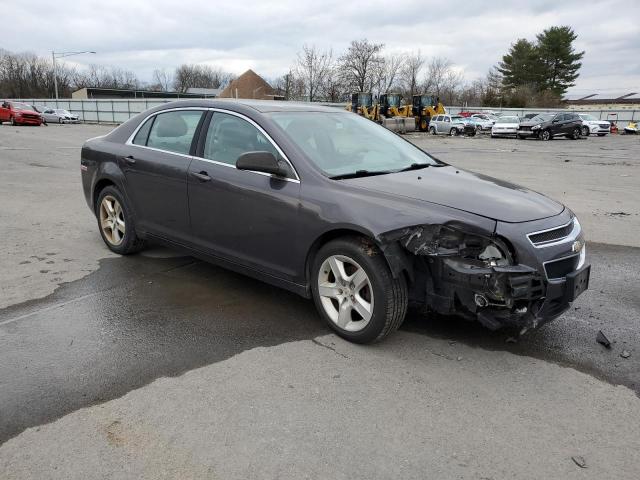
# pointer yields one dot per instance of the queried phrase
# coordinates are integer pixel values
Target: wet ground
(142, 317)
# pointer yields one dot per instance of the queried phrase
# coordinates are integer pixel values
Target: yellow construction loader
(390, 106)
(362, 104)
(424, 107)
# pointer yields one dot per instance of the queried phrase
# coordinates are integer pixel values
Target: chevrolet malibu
(336, 208)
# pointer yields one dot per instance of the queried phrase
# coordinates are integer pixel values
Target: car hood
(529, 123)
(467, 191)
(30, 112)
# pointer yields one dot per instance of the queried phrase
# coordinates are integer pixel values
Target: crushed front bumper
(514, 296)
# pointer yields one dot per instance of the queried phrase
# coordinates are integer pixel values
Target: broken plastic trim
(469, 272)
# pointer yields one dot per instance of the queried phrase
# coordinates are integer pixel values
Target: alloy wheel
(112, 220)
(345, 293)
(546, 135)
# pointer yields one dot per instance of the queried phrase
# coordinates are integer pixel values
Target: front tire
(355, 291)
(453, 132)
(433, 130)
(545, 135)
(585, 131)
(424, 125)
(576, 134)
(13, 121)
(116, 223)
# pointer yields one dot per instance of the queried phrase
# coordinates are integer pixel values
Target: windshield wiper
(415, 166)
(360, 173)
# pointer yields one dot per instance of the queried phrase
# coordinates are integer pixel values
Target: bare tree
(163, 79)
(200, 76)
(388, 73)
(106, 77)
(410, 73)
(443, 80)
(313, 66)
(360, 63)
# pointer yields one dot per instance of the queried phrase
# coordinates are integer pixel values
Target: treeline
(321, 75)
(530, 74)
(25, 75)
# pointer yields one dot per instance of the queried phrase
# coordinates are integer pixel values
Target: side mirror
(260, 162)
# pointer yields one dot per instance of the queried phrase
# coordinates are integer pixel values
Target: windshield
(63, 112)
(508, 120)
(458, 118)
(20, 106)
(588, 117)
(342, 143)
(543, 117)
(393, 100)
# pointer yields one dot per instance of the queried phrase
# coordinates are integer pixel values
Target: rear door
(246, 217)
(155, 165)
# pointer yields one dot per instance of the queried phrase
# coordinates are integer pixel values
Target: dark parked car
(548, 125)
(332, 206)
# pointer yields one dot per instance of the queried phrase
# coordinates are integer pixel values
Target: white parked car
(484, 121)
(58, 115)
(591, 124)
(507, 125)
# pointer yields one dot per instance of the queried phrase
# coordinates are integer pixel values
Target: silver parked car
(449, 125)
(58, 115)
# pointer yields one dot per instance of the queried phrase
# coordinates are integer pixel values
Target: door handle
(129, 159)
(202, 176)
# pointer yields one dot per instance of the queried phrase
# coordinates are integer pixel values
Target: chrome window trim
(130, 143)
(575, 232)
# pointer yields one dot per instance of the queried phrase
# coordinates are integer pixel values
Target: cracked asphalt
(161, 366)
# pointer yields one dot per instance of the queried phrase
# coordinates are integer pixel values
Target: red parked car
(19, 114)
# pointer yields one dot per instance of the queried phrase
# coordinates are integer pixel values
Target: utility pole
(55, 69)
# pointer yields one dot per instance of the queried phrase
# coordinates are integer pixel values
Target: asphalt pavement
(160, 366)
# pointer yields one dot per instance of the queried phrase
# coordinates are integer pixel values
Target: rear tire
(423, 125)
(116, 223)
(340, 298)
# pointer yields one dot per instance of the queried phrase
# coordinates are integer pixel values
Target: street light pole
(55, 70)
(55, 75)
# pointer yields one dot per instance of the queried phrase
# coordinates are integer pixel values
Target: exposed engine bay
(472, 274)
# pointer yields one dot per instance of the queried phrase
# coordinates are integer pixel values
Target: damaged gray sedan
(331, 206)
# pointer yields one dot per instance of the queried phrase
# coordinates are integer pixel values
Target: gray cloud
(145, 35)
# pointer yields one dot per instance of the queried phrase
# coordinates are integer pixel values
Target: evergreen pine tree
(521, 66)
(560, 62)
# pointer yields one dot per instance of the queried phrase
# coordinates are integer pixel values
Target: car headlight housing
(535, 127)
(455, 242)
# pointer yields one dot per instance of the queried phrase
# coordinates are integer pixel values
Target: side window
(229, 137)
(439, 118)
(173, 131)
(143, 134)
(447, 119)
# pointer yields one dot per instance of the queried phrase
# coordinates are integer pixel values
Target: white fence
(120, 110)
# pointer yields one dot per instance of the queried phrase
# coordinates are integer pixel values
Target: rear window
(174, 131)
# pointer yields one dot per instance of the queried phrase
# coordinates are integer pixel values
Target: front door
(246, 217)
(155, 168)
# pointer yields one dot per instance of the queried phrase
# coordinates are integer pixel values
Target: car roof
(262, 106)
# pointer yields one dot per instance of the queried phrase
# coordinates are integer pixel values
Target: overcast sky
(144, 35)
